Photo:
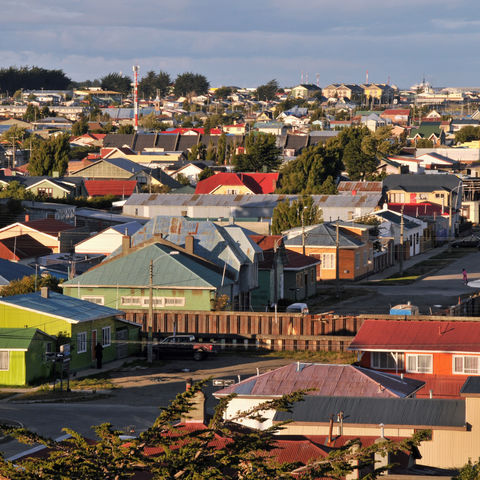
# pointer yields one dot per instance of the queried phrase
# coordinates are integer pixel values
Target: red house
(441, 353)
(238, 183)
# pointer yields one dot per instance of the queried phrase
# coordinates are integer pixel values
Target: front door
(94, 343)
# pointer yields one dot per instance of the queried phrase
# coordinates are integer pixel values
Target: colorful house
(441, 353)
(83, 323)
(238, 183)
(23, 357)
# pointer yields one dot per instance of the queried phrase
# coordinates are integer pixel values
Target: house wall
(56, 191)
(232, 189)
(300, 284)
(47, 240)
(195, 299)
(264, 294)
(36, 366)
(16, 373)
(104, 243)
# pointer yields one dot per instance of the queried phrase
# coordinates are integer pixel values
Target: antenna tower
(135, 96)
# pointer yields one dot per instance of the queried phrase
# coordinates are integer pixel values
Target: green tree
(32, 113)
(197, 152)
(424, 143)
(50, 156)
(211, 154)
(189, 454)
(80, 127)
(16, 191)
(221, 148)
(32, 78)
(151, 122)
(267, 91)
(189, 82)
(45, 112)
(126, 129)
(205, 173)
(223, 92)
(27, 285)
(117, 82)
(153, 82)
(470, 471)
(287, 215)
(15, 134)
(467, 134)
(261, 154)
(308, 172)
(182, 179)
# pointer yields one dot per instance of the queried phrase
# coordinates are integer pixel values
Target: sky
(247, 43)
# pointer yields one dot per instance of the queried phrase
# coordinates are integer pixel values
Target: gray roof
(373, 411)
(471, 386)
(13, 271)
(396, 218)
(69, 308)
(323, 234)
(128, 228)
(126, 164)
(421, 182)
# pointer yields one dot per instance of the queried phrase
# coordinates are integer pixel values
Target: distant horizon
(249, 43)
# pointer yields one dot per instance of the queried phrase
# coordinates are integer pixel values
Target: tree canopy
(28, 284)
(117, 82)
(467, 134)
(222, 450)
(267, 91)
(50, 156)
(287, 215)
(189, 82)
(310, 170)
(32, 78)
(261, 154)
(153, 82)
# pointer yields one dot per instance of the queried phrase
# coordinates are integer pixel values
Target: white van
(297, 308)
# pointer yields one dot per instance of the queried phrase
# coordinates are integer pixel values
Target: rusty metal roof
(324, 380)
(360, 187)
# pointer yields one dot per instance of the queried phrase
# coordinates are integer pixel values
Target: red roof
(257, 182)
(418, 209)
(396, 111)
(119, 188)
(442, 386)
(22, 247)
(50, 226)
(418, 336)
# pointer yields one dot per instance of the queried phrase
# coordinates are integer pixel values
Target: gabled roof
(258, 183)
(322, 235)
(18, 339)
(412, 412)
(110, 187)
(324, 380)
(13, 271)
(60, 306)
(417, 336)
(172, 268)
(50, 226)
(24, 246)
(421, 183)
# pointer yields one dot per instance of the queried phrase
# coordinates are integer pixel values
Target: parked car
(297, 308)
(183, 345)
(471, 241)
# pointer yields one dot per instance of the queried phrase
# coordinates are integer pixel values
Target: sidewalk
(388, 272)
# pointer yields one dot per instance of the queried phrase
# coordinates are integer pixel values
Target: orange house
(442, 353)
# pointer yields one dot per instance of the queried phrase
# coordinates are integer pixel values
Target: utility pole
(401, 243)
(150, 315)
(303, 230)
(337, 260)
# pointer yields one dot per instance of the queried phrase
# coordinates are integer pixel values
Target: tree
(308, 172)
(220, 451)
(424, 143)
(287, 215)
(32, 78)
(261, 154)
(117, 82)
(28, 284)
(223, 92)
(221, 148)
(267, 91)
(32, 113)
(182, 179)
(153, 82)
(467, 134)
(16, 191)
(189, 82)
(15, 134)
(151, 122)
(80, 127)
(197, 152)
(211, 154)
(205, 173)
(126, 129)
(470, 471)
(50, 156)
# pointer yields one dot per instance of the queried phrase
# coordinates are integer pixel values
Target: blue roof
(63, 306)
(128, 228)
(13, 271)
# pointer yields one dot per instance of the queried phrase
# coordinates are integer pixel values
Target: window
(4, 360)
(131, 301)
(45, 192)
(328, 261)
(419, 363)
(106, 336)
(175, 301)
(81, 342)
(466, 364)
(97, 300)
(387, 360)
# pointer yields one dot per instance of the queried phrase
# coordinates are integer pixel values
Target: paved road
(137, 402)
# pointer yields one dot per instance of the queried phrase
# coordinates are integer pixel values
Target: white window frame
(416, 356)
(82, 345)
(5, 360)
(131, 301)
(98, 300)
(106, 336)
(463, 369)
(330, 264)
(398, 361)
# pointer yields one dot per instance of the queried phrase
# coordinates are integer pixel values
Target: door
(94, 343)
(122, 343)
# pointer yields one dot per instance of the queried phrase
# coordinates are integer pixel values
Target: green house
(23, 355)
(180, 281)
(82, 323)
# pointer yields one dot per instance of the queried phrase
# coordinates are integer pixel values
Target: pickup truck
(183, 345)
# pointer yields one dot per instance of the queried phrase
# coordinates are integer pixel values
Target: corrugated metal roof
(61, 306)
(418, 336)
(16, 338)
(323, 235)
(13, 271)
(421, 183)
(360, 186)
(170, 270)
(373, 411)
(325, 379)
(471, 385)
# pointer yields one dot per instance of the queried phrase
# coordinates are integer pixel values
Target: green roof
(426, 131)
(16, 338)
(171, 268)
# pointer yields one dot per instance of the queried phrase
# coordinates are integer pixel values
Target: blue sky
(247, 43)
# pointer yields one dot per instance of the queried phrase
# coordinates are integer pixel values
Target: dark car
(183, 346)
(471, 241)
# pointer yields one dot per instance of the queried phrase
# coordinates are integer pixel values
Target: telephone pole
(337, 260)
(401, 243)
(150, 315)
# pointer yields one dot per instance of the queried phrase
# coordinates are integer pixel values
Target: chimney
(197, 411)
(189, 244)
(44, 292)
(27, 217)
(330, 431)
(126, 244)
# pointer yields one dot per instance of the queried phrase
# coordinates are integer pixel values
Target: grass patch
(328, 295)
(314, 356)
(95, 382)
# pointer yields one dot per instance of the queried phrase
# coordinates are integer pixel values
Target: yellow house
(378, 93)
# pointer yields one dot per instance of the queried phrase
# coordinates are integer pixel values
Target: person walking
(465, 277)
(99, 354)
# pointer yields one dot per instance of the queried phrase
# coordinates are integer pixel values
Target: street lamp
(460, 185)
